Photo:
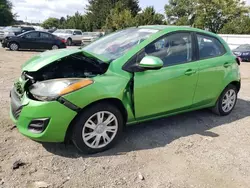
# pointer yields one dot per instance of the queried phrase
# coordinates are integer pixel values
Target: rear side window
(45, 35)
(77, 32)
(209, 47)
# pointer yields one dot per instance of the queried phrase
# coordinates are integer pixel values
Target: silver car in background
(72, 36)
(89, 37)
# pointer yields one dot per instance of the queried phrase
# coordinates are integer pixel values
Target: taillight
(62, 40)
(238, 60)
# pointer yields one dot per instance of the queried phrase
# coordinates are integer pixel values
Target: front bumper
(245, 58)
(4, 43)
(25, 111)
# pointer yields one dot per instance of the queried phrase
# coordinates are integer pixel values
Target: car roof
(169, 28)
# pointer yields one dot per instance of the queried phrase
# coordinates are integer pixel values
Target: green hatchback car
(89, 94)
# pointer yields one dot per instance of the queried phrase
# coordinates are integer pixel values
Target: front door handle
(227, 64)
(190, 72)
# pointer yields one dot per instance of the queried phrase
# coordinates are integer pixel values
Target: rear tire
(227, 101)
(97, 128)
(14, 46)
(55, 47)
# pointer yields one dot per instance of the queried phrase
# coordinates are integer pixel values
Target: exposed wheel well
(237, 84)
(116, 102)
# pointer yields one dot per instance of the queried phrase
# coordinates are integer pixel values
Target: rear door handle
(190, 72)
(227, 64)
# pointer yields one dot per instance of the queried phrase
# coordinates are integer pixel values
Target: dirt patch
(197, 149)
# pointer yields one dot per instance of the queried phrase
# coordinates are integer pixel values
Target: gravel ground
(197, 149)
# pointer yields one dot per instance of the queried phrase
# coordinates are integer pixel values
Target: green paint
(155, 93)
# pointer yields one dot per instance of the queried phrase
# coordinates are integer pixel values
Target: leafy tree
(98, 11)
(239, 25)
(205, 14)
(6, 16)
(132, 5)
(119, 18)
(77, 21)
(149, 17)
(50, 23)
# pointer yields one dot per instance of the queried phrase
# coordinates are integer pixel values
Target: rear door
(214, 64)
(170, 89)
(46, 40)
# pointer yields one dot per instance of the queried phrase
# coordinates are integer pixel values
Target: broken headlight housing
(52, 89)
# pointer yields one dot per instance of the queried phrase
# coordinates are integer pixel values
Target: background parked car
(13, 31)
(34, 40)
(72, 36)
(89, 37)
(243, 51)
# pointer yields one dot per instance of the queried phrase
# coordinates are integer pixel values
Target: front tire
(69, 42)
(14, 46)
(97, 128)
(226, 101)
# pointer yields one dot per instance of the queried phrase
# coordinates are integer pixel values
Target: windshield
(68, 32)
(58, 31)
(117, 44)
(244, 47)
(12, 29)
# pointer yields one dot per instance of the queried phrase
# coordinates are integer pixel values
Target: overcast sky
(39, 10)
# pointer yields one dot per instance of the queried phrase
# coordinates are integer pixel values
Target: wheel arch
(237, 84)
(13, 42)
(116, 102)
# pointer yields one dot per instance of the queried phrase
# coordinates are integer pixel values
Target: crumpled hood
(48, 57)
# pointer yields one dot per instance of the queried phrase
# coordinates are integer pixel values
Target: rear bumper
(57, 117)
(63, 45)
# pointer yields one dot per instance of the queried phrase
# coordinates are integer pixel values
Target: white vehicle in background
(72, 36)
(89, 37)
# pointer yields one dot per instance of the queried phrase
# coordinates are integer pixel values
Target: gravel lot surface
(197, 149)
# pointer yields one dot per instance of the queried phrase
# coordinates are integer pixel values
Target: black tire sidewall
(54, 45)
(69, 42)
(84, 116)
(221, 112)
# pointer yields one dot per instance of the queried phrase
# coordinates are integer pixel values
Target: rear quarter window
(209, 47)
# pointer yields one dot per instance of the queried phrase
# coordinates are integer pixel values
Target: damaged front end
(60, 77)
(37, 98)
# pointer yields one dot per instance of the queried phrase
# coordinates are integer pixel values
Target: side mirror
(74, 33)
(151, 63)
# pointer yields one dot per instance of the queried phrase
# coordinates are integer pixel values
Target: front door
(30, 40)
(171, 88)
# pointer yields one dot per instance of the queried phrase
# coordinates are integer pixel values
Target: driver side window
(173, 49)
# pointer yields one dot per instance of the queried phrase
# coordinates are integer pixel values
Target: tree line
(218, 16)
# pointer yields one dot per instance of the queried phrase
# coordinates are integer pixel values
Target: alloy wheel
(100, 129)
(13, 46)
(229, 100)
